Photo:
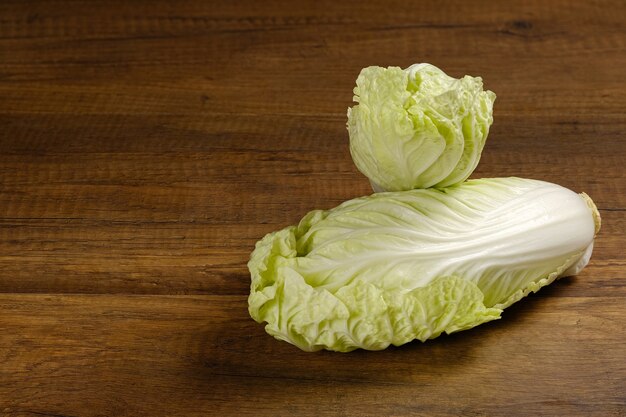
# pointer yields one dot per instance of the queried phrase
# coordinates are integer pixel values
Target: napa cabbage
(398, 266)
(417, 127)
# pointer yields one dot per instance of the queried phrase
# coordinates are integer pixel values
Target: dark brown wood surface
(146, 145)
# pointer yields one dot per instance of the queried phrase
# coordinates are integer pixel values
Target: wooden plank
(46, 18)
(202, 355)
(164, 89)
(83, 256)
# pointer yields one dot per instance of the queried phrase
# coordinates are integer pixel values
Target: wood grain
(202, 355)
(147, 145)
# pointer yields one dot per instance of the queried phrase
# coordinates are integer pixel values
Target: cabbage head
(417, 127)
(397, 266)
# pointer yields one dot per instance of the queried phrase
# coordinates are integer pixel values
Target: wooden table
(145, 146)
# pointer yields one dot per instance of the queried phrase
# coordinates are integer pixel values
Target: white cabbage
(398, 266)
(418, 127)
